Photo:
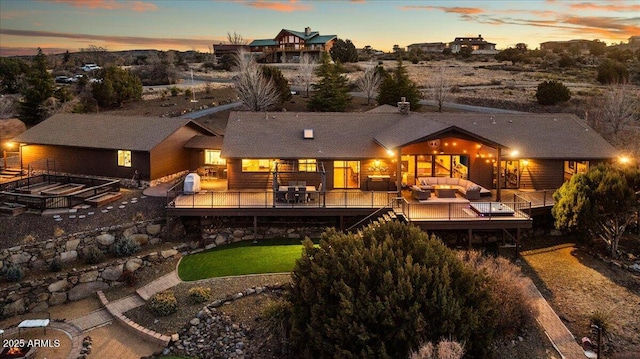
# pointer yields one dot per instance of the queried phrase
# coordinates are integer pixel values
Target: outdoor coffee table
(444, 191)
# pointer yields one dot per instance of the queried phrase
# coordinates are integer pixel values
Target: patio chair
(316, 195)
(302, 184)
(302, 194)
(281, 196)
(291, 194)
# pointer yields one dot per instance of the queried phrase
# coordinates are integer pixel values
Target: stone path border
(120, 306)
(558, 333)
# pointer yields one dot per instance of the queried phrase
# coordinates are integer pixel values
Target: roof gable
(106, 131)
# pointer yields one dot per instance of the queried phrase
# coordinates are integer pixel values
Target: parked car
(90, 67)
(62, 80)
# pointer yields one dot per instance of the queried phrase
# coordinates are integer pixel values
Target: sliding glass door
(346, 174)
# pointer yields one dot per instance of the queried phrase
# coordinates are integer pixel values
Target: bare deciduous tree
(306, 67)
(440, 87)
(622, 107)
(369, 83)
(257, 92)
(236, 39)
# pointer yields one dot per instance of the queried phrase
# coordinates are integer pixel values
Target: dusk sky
(60, 25)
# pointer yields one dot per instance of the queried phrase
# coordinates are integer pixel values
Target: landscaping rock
(14, 308)
(59, 286)
(133, 264)
(20, 258)
(88, 276)
(84, 290)
(72, 245)
(218, 338)
(57, 298)
(153, 229)
(68, 256)
(127, 233)
(105, 239)
(221, 240)
(141, 239)
(112, 273)
(168, 253)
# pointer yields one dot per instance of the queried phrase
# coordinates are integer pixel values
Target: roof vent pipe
(404, 106)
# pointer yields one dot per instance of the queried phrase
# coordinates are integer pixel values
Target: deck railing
(266, 199)
(538, 199)
(460, 211)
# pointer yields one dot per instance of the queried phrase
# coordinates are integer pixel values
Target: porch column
(399, 171)
(499, 176)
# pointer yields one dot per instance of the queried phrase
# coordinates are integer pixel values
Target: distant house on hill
(289, 45)
(117, 146)
(477, 44)
(582, 45)
(428, 47)
(221, 49)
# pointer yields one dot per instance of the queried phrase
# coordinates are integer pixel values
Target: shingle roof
(105, 131)
(558, 135)
(368, 135)
(205, 142)
(280, 135)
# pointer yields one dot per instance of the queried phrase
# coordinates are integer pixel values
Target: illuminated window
(260, 165)
(307, 165)
(212, 157)
(124, 158)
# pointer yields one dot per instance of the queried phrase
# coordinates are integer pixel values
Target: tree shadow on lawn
(617, 275)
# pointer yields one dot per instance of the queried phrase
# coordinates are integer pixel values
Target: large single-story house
(386, 149)
(290, 45)
(117, 146)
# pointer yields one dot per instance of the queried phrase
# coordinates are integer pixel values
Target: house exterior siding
(86, 161)
(170, 156)
(542, 174)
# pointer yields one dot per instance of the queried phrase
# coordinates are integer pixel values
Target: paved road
(207, 111)
(451, 105)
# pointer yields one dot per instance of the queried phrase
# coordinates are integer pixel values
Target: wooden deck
(431, 214)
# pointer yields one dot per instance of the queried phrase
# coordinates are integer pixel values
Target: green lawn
(267, 256)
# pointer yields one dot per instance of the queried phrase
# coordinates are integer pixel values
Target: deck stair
(376, 222)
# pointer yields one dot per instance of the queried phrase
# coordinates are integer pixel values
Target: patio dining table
(309, 189)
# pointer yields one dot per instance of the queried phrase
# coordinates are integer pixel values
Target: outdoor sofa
(469, 189)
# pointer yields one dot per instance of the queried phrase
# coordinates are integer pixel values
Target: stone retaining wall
(56, 288)
(35, 295)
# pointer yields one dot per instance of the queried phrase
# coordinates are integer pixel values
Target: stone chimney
(307, 31)
(404, 106)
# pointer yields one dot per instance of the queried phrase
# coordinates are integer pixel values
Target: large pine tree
(331, 93)
(39, 87)
(396, 85)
